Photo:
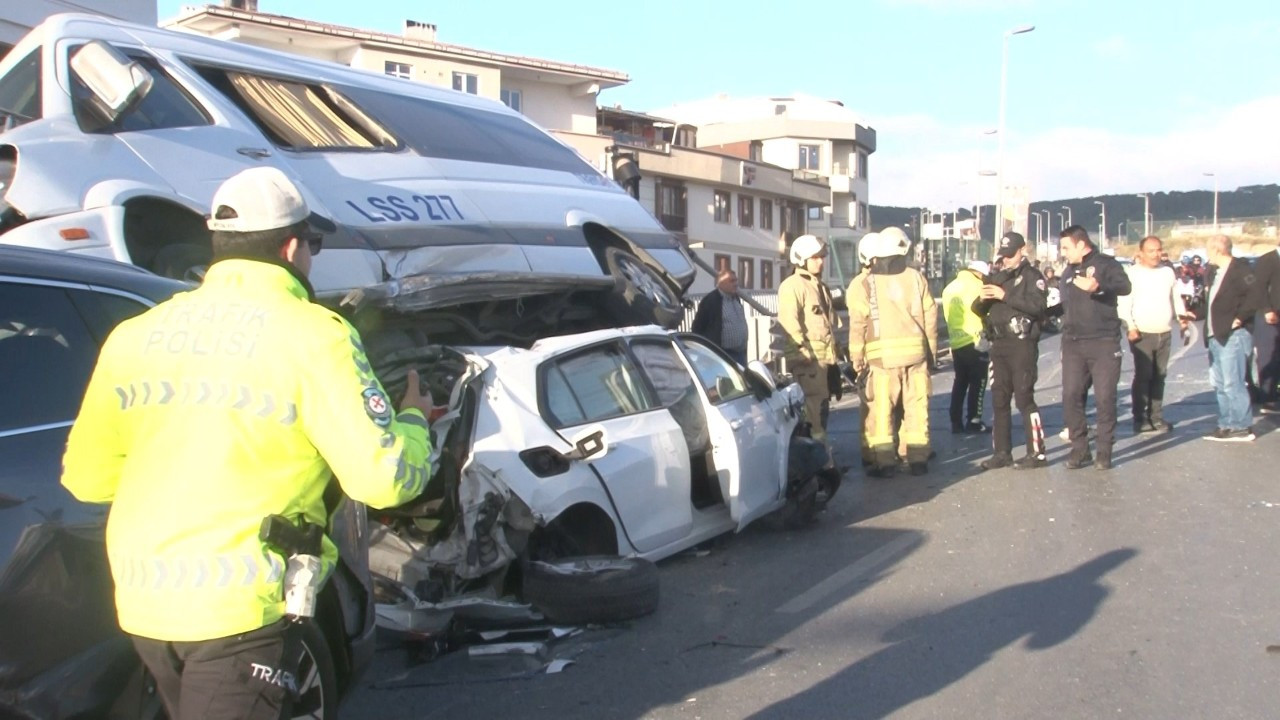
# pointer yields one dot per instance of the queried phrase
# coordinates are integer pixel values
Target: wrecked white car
(556, 459)
(115, 137)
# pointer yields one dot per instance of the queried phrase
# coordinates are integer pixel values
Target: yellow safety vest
(963, 324)
(211, 411)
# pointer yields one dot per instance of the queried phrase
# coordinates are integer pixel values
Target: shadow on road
(933, 651)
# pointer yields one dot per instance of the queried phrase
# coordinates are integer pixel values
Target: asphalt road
(1150, 591)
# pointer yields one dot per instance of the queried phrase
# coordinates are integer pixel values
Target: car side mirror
(116, 82)
(760, 377)
(588, 445)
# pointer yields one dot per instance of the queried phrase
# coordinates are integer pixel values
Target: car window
(667, 374)
(103, 311)
(300, 115)
(20, 91)
(46, 356)
(166, 105)
(598, 384)
(719, 378)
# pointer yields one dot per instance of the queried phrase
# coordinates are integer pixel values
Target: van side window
(20, 92)
(298, 115)
(167, 105)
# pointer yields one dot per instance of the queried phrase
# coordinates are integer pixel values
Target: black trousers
(1013, 377)
(1266, 340)
(251, 675)
(1097, 361)
(1150, 367)
(970, 383)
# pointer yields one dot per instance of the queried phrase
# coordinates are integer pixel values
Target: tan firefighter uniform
(809, 322)
(893, 333)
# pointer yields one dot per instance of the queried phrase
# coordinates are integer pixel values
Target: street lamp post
(1146, 213)
(1102, 224)
(1215, 199)
(1039, 228)
(1062, 220)
(1000, 133)
(1120, 231)
(1048, 225)
(1068, 209)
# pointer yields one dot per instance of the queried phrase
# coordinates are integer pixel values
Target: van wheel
(316, 677)
(592, 589)
(182, 261)
(641, 295)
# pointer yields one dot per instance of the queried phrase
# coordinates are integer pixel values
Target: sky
(1104, 96)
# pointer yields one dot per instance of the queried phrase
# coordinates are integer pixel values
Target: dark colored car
(61, 651)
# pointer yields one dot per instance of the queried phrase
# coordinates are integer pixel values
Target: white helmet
(869, 248)
(895, 241)
(805, 247)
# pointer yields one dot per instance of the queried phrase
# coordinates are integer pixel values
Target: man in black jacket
(721, 318)
(1012, 304)
(1090, 343)
(1226, 333)
(1266, 329)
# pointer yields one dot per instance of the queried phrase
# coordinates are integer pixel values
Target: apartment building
(551, 93)
(17, 17)
(815, 138)
(733, 212)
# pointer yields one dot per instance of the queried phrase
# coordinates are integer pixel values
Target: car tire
(182, 261)
(592, 589)
(641, 295)
(317, 676)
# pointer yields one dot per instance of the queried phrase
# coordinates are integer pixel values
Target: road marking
(869, 563)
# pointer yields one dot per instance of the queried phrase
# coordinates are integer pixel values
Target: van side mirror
(116, 82)
(588, 445)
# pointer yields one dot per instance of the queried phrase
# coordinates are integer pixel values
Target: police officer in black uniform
(1012, 305)
(1090, 343)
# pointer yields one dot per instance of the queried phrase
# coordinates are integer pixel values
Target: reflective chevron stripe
(207, 393)
(194, 573)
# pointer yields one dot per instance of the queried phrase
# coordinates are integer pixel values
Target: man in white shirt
(1149, 313)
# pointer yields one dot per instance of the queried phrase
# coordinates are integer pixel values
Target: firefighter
(893, 337)
(809, 323)
(213, 424)
(1012, 304)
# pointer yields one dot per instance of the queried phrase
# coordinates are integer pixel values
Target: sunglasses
(313, 240)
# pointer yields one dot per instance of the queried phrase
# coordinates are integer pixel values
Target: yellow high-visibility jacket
(208, 413)
(808, 319)
(901, 328)
(963, 324)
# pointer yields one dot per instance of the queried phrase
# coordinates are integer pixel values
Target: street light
(1048, 225)
(1039, 228)
(1215, 200)
(1062, 220)
(1102, 224)
(1000, 133)
(1146, 213)
(1068, 209)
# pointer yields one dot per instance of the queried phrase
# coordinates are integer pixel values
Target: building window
(746, 273)
(398, 69)
(513, 99)
(810, 157)
(793, 219)
(862, 165)
(815, 212)
(766, 214)
(722, 263)
(723, 214)
(766, 274)
(672, 205)
(467, 83)
(756, 152)
(746, 211)
(864, 218)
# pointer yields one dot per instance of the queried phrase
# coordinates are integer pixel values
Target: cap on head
(805, 247)
(257, 199)
(980, 267)
(1010, 244)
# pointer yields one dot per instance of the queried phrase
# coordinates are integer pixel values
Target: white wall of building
(17, 17)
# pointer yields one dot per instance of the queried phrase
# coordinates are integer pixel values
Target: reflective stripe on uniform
(213, 394)
(187, 573)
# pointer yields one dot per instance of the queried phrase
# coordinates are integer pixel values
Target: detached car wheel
(641, 295)
(592, 589)
(316, 677)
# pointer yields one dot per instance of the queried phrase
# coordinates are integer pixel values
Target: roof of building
(723, 108)
(291, 23)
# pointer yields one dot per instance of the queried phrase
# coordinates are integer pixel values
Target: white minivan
(116, 136)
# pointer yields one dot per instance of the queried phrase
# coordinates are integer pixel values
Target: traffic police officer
(1091, 330)
(1012, 304)
(808, 320)
(223, 407)
(893, 340)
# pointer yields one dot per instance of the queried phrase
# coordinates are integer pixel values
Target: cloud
(1112, 47)
(920, 161)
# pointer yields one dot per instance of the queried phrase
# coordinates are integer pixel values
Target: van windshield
(453, 132)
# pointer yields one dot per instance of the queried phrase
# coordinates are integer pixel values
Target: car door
(645, 469)
(747, 436)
